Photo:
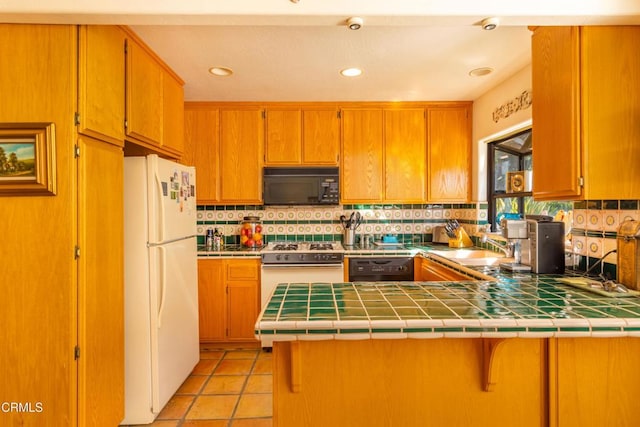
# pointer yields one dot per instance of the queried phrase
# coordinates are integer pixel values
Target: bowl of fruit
(251, 232)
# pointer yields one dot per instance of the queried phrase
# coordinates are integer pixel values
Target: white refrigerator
(161, 284)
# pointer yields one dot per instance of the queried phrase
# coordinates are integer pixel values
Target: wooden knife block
(462, 239)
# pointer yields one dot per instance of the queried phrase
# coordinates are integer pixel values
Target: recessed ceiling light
(355, 23)
(351, 72)
(221, 71)
(490, 23)
(479, 72)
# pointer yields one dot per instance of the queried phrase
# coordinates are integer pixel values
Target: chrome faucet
(510, 248)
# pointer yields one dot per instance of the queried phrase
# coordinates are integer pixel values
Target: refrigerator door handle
(163, 283)
(165, 242)
(160, 224)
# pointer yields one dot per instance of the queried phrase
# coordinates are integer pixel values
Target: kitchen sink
(472, 257)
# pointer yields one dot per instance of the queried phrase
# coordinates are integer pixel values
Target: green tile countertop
(519, 306)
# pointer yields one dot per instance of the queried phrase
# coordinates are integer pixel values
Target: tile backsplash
(593, 231)
(412, 223)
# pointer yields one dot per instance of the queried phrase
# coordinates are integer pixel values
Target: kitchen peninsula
(516, 350)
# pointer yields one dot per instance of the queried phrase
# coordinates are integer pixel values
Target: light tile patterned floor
(228, 388)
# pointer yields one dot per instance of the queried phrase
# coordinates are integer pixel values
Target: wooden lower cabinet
(228, 299)
(557, 382)
(408, 383)
(596, 382)
(432, 271)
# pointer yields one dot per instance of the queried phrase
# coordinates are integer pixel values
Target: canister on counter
(217, 240)
(208, 242)
(251, 235)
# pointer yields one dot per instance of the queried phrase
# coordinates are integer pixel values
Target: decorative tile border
(413, 223)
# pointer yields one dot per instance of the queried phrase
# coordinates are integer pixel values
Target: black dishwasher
(381, 269)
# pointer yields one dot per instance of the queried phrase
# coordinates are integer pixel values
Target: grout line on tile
(235, 408)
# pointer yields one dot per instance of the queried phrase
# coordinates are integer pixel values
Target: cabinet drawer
(243, 270)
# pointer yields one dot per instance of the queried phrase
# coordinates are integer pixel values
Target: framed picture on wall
(27, 159)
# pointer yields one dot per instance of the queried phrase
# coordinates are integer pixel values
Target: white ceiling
(295, 63)
(285, 51)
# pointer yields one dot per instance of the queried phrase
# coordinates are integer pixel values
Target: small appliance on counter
(629, 254)
(546, 241)
(515, 231)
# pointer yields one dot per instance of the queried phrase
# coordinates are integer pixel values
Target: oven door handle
(302, 265)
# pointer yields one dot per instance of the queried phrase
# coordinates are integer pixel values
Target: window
(509, 182)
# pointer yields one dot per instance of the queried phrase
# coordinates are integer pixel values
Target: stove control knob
(286, 257)
(301, 256)
(278, 257)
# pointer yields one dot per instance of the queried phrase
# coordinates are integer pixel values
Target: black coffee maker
(546, 245)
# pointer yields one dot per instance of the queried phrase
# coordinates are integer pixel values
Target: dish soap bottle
(217, 240)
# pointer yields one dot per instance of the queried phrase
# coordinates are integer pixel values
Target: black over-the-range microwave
(300, 186)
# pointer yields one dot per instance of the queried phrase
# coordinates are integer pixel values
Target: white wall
(485, 129)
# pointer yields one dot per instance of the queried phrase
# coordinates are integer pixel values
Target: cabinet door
(38, 274)
(283, 144)
(556, 112)
(100, 290)
(320, 137)
(449, 154)
(431, 271)
(101, 83)
(611, 111)
(201, 150)
(242, 309)
(241, 142)
(583, 392)
(211, 300)
(361, 157)
(144, 95)
(173, 114)
(405, 156)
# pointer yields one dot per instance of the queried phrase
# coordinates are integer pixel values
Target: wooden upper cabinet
(173, 114)
(283, 142)
(201, 136)
(361, 159)
(556, 113)
(240, 154)
(449, 153)
(101, 82)
(405, 155)
(320, 136)
(306, 136)
(585, 127)
(144, 106)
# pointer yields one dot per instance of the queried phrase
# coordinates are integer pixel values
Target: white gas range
(301, 262)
